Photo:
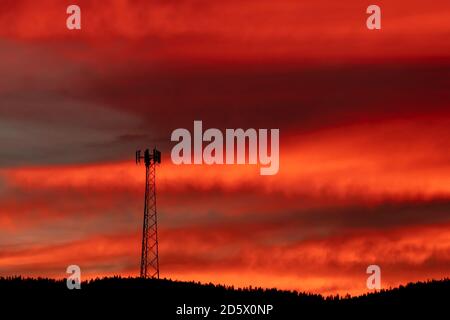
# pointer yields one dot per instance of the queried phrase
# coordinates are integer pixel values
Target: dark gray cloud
(42, 123)
(56, 110)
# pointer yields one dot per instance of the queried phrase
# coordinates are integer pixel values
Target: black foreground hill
(129, 298)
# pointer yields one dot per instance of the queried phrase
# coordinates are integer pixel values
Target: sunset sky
(364, 120)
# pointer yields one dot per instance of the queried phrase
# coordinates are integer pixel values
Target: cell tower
(149, 255)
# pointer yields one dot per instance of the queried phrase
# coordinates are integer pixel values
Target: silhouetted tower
(149, 255)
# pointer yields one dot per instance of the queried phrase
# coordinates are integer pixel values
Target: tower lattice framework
(149, 252)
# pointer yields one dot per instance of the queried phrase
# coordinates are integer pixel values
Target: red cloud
(316, 30)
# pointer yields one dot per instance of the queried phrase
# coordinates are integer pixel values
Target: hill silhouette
(161, 299)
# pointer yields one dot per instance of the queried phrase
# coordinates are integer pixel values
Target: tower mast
(149, 253)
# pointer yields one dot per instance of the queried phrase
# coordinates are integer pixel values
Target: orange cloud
(404, 158)
(331, 265)
(345, 197)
